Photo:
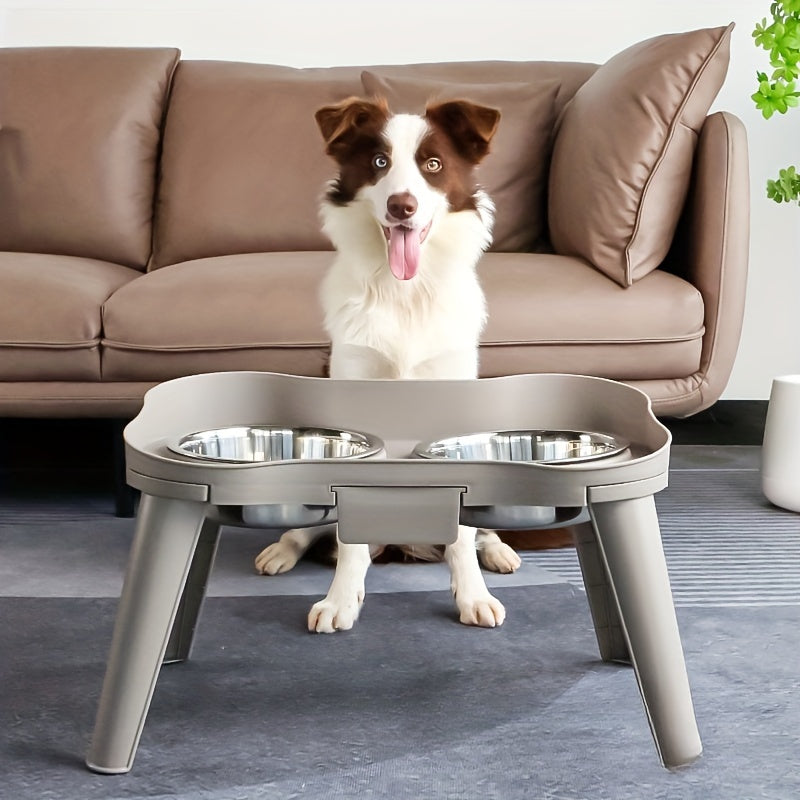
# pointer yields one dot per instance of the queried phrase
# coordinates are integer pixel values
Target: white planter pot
(780, 455)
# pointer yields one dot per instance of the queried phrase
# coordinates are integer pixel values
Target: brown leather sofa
(158, 218)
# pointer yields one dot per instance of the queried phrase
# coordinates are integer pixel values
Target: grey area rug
(410, 704)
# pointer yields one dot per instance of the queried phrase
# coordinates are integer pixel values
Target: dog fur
(402, 301)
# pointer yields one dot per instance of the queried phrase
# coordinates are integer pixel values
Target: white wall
(326, 32)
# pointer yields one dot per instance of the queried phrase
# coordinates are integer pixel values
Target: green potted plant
(780, 37)
(780, 459)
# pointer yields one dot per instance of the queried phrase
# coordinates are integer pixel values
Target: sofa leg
(124, 496)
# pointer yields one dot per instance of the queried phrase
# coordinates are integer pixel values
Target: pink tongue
(403, 252)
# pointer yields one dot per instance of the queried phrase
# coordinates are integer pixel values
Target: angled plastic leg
(602, 603)
(630, 546)
(167, 532)
(182, 635)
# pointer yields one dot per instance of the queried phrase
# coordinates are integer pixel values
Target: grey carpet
(726, 547)
(409, 705)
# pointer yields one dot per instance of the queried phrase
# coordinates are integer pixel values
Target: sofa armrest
(711, 251)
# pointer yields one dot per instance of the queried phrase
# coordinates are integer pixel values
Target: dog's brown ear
(469, 126)
(338, 121)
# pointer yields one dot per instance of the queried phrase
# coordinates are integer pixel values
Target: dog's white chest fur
(412, 326)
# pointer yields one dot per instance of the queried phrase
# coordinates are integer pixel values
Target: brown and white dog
(402, 299)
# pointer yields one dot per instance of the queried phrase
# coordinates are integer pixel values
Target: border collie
(402, 300)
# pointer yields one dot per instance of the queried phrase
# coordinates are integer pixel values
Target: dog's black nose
(401, 205)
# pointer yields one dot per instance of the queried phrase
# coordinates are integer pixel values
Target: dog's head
(409, 168)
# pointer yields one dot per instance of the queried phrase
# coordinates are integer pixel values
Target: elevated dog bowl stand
(396, 499)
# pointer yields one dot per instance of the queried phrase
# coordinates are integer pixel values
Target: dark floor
(727, 422)
(76, 453)
(80, 453)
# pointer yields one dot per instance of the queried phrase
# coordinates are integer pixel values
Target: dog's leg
(457, 364)
(339, 610)
(352, 361)
(282, 555)
(494, 553)
(475, 605)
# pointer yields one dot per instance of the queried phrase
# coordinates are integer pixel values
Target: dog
(402, 300)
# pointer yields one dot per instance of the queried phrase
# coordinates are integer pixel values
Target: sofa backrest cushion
(244, 163)
(623, 152)
(570, 75)
(79, 138)
(514, 174)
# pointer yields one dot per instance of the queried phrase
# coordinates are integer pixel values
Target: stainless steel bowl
(519, 518)
(261, 443)
(530, 446)
(251, 444)
(536, 446)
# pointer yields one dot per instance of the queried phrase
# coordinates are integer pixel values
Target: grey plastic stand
(394, 500)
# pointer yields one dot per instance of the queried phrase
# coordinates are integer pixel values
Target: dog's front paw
(278, 557)
(330, 615)
(485, 611)
(499, 557)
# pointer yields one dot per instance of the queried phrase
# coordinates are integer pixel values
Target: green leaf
(785, 72)
(773, 193)
(763, 104)
(791, 41)
(780, 74)
(779, 35)
(786, 189)
(763, 35)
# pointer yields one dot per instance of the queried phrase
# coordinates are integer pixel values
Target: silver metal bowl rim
(617, 445)
(374, 444)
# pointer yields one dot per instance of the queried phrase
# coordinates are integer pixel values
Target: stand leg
(182, 635)
(167, 533)
(602, 603)
(630, 545)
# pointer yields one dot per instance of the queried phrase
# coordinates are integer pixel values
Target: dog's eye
(433, 165)
(380, 161)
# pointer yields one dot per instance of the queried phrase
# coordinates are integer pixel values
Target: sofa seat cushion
(50, 315)
(261, 311)
(257, 311)
(551, 313)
